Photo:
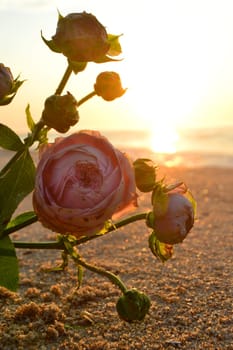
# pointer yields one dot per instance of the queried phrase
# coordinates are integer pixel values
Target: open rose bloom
(81, 182)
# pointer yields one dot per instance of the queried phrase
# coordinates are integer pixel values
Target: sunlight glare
(164, 139)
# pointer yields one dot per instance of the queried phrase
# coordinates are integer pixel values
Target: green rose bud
(80, 37)
(145, 174)
(60, 112)
(108, 86)
(133, 306)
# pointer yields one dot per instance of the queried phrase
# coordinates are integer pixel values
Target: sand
(191, 294)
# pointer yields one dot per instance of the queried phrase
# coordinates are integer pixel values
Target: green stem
(19, 226)
(60, 245)
(113, 278)
(86, 98)
(33, 136)
(39, 245)
(64, 80)
(113, 227)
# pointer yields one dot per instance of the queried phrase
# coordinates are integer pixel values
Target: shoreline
(185, 159)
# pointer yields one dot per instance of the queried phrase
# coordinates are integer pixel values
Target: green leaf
(30, 121)
(16, 182)
(9, 273)
(20, 222)
(9, 139)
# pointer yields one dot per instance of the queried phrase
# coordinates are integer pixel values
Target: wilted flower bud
(108, 86)
(6, 81)
(133, 306)
(145, 174)
(173, 223)
(60, 112)
(80, 37)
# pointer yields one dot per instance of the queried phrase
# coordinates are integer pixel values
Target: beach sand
(191, 294)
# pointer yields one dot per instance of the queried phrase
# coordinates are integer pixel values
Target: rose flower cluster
(82, 181)
(83, 185)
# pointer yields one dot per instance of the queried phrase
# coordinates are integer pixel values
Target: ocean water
(193, 148)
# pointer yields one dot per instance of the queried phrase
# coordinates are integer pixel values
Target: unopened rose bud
(145, 174)
(133, 306)
(8, 85)
(60, 112)
(174, 224)
(6, 81)
(80, 37)
(108, 86)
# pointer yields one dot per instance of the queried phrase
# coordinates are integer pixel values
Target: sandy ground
(191, 294)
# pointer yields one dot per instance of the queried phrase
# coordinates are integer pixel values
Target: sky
(177, 62)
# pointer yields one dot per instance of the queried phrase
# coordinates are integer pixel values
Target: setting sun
(163, 140)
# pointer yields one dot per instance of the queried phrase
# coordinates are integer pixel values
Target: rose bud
(145, 174)
(60, 112)
(6, 81)
(81, 182)
(108, 86)
(8, 85)
(80, 37)
(173, 223)
(133, 306)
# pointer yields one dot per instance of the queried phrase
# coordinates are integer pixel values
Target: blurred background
(177, 66)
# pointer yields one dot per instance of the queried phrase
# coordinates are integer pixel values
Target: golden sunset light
(163, 140)
(176, 65)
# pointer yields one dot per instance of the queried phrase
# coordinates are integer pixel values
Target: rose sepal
(115, 46)
(162, 251)
(9, 97)
(50, 43)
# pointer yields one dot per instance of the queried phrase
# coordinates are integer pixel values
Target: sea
(197, 147)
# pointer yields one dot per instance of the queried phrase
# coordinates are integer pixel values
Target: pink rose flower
(81, 182)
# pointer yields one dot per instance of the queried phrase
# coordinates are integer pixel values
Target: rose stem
(60, 245)
(86, 98)
(111, 276)
(64, 80)
(59, 90)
